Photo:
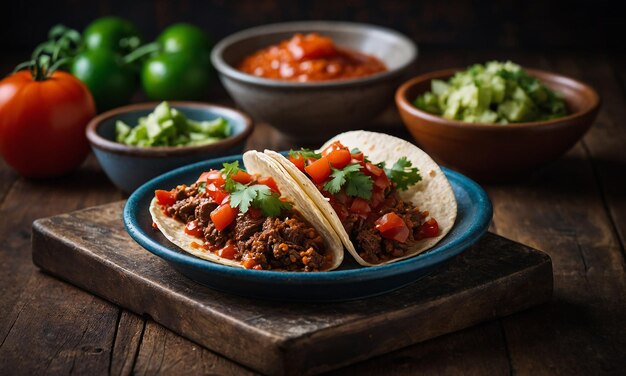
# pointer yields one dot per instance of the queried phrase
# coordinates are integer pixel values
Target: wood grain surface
(91, 249)
(573, 209)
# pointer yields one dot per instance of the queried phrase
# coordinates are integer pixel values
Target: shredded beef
(246, 226)
(371, 246)
(203, 211)
(283, 242)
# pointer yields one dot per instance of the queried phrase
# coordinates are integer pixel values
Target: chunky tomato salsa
(365, 197)
(310, 57)
(239, 216)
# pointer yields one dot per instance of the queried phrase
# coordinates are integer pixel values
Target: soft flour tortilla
(256, 163)
(432, 193)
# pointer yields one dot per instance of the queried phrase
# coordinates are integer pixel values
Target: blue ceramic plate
(349, 281)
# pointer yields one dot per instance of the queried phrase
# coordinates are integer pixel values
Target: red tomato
(212, 176)
(269, 181)
(391, 226)
(241, 177)
(382, 182)
(332, 147)
(374, 170)
(216, 193)
(228, 252)
(223, 216)
(42, 123)
(360, 206)
(358, 156)
(164, 197)
(339, 158)
(298, 161)
(193, 228)
(429, 229)
(319, 170)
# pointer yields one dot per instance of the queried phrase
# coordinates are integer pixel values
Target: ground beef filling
(285, 242)
(371, 246)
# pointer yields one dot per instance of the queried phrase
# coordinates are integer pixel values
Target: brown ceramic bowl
(496, 152)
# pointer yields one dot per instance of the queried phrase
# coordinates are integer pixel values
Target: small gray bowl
(128, 167)
(315, 110)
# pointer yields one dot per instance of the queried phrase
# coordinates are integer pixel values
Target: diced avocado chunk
(167, 126)
(492, 93)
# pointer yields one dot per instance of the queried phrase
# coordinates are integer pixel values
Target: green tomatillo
(111, 81)
(175, 76)
(111, 33)
(178, 66)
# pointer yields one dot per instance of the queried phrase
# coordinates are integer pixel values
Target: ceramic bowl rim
(578, 87)
(100, 142)
(231, 72)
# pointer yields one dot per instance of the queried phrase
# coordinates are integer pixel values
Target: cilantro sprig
(257, 195)
(305, 153)
(243, 196)
(402, 173)
(357, 184)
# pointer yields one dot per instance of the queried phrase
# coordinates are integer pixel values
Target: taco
(254, 219)
(386, 199)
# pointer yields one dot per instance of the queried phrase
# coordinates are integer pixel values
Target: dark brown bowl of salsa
(314, 79)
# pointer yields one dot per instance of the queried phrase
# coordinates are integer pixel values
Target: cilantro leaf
(338, 178)
(202, 187)
(305, 153)
(259, 196)
(230, 169)
(357, 183)
(403, 174)
(243, 196)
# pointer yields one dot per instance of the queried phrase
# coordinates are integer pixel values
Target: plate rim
(478, 227)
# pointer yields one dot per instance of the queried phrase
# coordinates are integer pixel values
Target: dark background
(513, 24)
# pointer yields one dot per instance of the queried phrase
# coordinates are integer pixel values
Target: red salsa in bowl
(310, 57)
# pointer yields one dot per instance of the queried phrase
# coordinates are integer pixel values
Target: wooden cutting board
(91, 249)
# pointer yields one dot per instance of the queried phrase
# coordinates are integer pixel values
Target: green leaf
(403, 174)
(202, 187)
(231, 168)
(357, 184)
(305, 153)
(259, 196)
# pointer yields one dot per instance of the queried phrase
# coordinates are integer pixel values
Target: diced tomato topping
(167, 198)
(319, 170)
(358, 156)
(381, 182)
(339, 158)
(248, 263)
(373, 169)
(212, 176)
(429, 229)
(154, 226)
(216, 193)
(228, 252)
(332, 147)
(223, 216)
(241, 177)
(298, 160)
(193, 228)
(269, 181)
(391, 226)
(360, 206)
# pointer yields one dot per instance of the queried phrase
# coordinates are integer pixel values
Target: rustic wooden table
(574, 209)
